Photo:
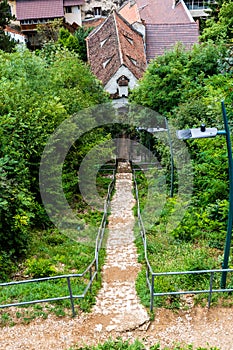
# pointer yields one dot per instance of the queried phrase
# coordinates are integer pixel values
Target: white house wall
(112, 84)
(75, 16)
(21, 39)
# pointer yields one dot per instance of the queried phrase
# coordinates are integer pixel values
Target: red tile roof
(162, 37)
(163, 12)
(14, 31)
(166, 24)
(113, 44)
(93, 22)
(33, 9)
(130, 12)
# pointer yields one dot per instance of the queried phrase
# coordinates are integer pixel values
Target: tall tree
(35, 97)
(6, 43)
(219, 25)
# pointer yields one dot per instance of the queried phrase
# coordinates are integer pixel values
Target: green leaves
(35, 97)
(219, 26)
(176, 76)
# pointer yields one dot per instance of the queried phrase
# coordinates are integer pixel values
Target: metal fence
(90, 272)
(151, 275)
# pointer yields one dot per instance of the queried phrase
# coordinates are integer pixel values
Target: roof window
(132, 60)
(104, 41)
(130, 40)
(105, 63)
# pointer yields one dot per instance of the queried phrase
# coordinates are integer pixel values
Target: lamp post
(204, 132)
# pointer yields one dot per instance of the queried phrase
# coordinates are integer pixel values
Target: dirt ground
(197, 326)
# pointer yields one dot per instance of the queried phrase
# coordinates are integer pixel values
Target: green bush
(40, 267)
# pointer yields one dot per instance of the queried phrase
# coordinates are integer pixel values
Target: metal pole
(230, 213)
(91, 279)
(171, 160)
(211, 288)
(71, 297)
(152, 293)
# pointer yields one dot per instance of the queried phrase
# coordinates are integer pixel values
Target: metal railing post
(152, 293)
(211, 288)
(71, 297)
(91, 280)
(230, 213)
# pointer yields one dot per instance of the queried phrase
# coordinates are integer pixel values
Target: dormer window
(132, 60)
(123, 81)
(130, 40)
(104, 41)
(107, 62)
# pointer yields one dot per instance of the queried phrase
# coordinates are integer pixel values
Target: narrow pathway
(118, 312)
(118, 297)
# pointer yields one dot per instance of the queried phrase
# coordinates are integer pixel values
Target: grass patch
(52, 253)
(49, 259)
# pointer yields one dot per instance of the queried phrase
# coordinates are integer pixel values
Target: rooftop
(113, 44)
(34, 9)
(164, 12)
(162, 37)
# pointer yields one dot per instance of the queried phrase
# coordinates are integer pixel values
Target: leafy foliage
(37, 93)
(75, 42)
(49, 32)
(187, 87)
(81, 34)
(219, 26)
(176, 76)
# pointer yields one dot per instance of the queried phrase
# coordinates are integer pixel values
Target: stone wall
(98, 8)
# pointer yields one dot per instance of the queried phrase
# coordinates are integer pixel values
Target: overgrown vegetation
(52, 254)
(37, 93)
(187, 87)
(54, 35)
(168, 252)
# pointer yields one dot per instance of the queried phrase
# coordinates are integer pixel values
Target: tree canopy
(6, 44)
(36, 94)
(219, 25)
(187, 87)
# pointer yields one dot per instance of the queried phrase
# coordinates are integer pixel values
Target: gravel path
(118, 311)
(118, 297)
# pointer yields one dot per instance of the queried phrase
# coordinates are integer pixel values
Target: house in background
(95, 9)
(30, 13)
(166, 23)
(198, 8)
(116, 55)
(160, 21)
